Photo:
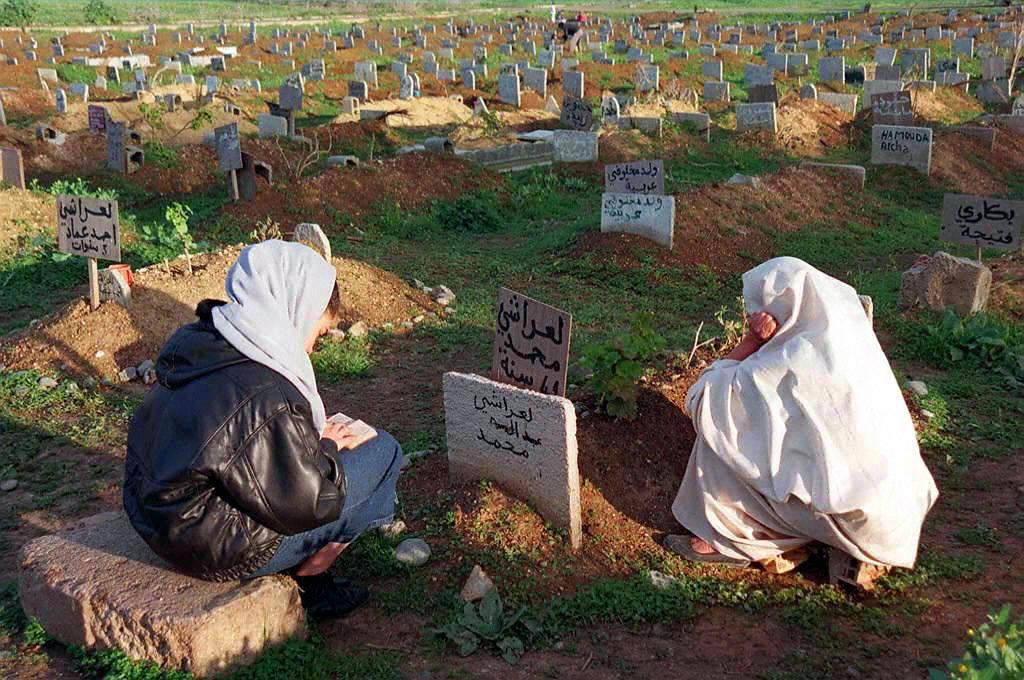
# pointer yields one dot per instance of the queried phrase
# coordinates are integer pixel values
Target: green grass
(336, 360)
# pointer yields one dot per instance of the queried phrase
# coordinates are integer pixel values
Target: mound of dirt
(785, 200)
(416, 112)
(24, 213)
(970, 166)
(811, 127)
(164, 298)
(945, 105)
(340, 197)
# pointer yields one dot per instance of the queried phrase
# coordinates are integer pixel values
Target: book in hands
(360, 431)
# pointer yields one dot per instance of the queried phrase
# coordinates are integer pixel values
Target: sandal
(680, 545)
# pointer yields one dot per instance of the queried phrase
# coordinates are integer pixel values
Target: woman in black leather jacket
(232, 469)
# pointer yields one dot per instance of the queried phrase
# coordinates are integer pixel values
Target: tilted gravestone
(900, 145)
(531, 344)
(508, 88)
(522, 440)
(12, 166)
(229, 150)
(310, 234)
(650, 216)
(637, 177)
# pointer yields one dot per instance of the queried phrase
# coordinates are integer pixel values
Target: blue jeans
(371, 472)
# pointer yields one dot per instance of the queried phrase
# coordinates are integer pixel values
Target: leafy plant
(981, 338)
(160, 155)
(35, 635)
(732, 323)
(177, 215)
(99, 12)
(350, 358)
(994, 651)
(202, 118)
(617, 365)
(74, 187)
(475, 211)
(488, 624)
(153, 115)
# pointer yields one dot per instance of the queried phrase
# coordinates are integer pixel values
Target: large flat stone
(99, 585)
(945, 280)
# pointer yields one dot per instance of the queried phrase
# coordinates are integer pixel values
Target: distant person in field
(233, 470)
(554, 13)
(802, 434)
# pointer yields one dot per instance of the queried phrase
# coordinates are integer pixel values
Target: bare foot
(702, 547)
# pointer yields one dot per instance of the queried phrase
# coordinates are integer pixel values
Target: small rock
(926, 414)
(418, 318)
(417, 284)
(149, 377)
(413, 551)
(443, 295)
(406, 324)
(65, 368)
(9, 485)
(100, 354)
(35, 323)
(477, 585)
(107, 382)
(47, 383)
(659, 580)
(128, 374)
(90, 382)
(393, 529)
(745, 179)
(145, 366)
(387, 326)
(406, 461)
(337, 334)
(359, 329)
(72, 386)
(917, 387)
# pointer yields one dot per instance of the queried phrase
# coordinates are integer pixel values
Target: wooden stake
(233, 185)
(978, 246)
(94, 284)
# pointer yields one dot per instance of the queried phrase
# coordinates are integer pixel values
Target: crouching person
(232, 470)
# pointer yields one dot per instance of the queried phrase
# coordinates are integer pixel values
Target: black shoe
(327, 598)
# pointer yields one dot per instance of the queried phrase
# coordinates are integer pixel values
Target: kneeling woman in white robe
(802, 435)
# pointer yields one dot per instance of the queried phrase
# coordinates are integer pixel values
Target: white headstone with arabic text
(523, 441)
(649, 216)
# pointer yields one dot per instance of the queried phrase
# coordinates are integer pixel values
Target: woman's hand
(340, 435)
(763, 326)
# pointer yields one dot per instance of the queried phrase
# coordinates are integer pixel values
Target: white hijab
(277, 292)
(816, 413)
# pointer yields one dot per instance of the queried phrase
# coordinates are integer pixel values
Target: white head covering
(816, 414)
(278, 291)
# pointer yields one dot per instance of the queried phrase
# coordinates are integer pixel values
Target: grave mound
(969, 165)
(162, 301)
(99, 585)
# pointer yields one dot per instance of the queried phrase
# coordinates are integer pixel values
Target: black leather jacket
(223, 459)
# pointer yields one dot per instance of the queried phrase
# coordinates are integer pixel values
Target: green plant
(35, 635)
(177, 215)
(490, 624)
(153, 115)
(99, 12)
(982, 338)
(475, 211)
(160, 155)
(266, 230)
(732, 323)
(73, 187)
(202, 119)
(994, 651)
(18, 13)
(617, 365)
(349, 358)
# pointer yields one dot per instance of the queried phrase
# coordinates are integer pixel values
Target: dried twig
(693, 351)
(587, 662)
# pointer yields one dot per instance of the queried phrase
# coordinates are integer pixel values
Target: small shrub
(617, 365)
(160, 155)
(488, 624)
(476, 212)
(35, 635)
(99, 12)
(153, 114)
(73, 187)
(982, 339)
(177, 215)
(266, 230)
(995, 651)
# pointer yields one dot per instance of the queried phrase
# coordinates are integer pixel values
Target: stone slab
(650, 216)
(522, 440)
(637, 177)
(310, 234)
(892, 108)
(99, 585)
(756, 117)
(901, 145)
(571, 146)
(944, 280)
(856, 174)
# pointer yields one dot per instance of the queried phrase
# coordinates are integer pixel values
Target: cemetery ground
(397, 220)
